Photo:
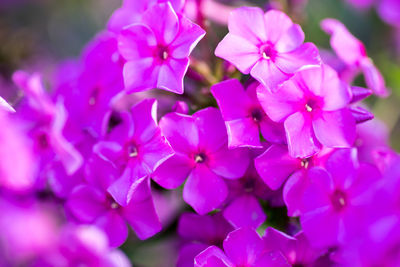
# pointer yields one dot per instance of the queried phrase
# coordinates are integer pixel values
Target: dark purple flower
(244, 116)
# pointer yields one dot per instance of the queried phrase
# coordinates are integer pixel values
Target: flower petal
(300, 136)
(172, 172)
(238, 51)
(335, 128)
(268, 73)
(170, 76)
(248, 23)
(245, 211)
(279, 105)
(243, 133)
(304, 56)
(275, 165)
(204, 190)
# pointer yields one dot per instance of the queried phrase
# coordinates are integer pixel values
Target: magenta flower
(92, 205)
(268, 46)
(313, 107)
(336, 201)
(157, 53)
(201, 153)
(276, 167)
(244, 116)
(135, 148)
(198, 232)
(243, 208)
(242, 247)
(354, 54)
(297, 249)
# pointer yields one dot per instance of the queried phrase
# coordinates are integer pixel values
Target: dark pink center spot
(43, 141)
(339, 200)
(162, 53)
(200, 157)
(268, 52)
(257, 115)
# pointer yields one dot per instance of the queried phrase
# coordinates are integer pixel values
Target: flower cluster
(99, 153)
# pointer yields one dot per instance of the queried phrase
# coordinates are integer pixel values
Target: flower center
(132, 151)
(43, 141)
(338, 200)
(94, 96)
(311, 105)
(305, 163)
(267, 51)
(200, 157)
(162, 53)
(257, 115)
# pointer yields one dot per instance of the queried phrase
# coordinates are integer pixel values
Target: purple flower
(199, 232)
(313, 107)
(244, 116)
(268, 46)
(276, 167)
(353, 53)
(92, 205)
(135, 148)
(157, 52)
(242, 247)
(336, 201)
(243, 208)
(202, 154)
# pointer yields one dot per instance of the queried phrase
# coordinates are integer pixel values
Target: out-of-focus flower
(45, 122)
(389, 10)
(17, 164)
(201, 152)
(157, 53)
(83, 245)
(353, 53)
(268, 46)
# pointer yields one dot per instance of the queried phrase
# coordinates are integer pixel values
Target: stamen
(308, 108)
(132, 151)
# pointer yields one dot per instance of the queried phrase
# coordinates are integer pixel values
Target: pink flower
(157, 51)
(268, 46)
(353, 53)
(313, 107)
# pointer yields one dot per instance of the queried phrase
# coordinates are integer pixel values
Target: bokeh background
(37, 35)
